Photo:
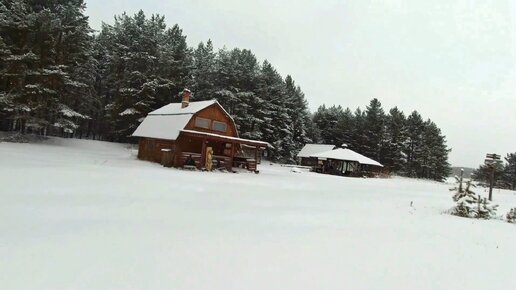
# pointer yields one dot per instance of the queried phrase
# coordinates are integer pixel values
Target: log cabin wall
(213, 113)
(150, 148)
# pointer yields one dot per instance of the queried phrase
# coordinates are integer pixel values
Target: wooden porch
(224, 152)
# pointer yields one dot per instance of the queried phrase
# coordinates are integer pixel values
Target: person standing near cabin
(189, 161)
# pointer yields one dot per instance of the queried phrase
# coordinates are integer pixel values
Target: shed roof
(347, 155)
(310, 149)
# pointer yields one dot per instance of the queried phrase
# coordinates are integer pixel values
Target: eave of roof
(261, 144)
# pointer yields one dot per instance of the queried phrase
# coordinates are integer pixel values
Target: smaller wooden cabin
(202, 131)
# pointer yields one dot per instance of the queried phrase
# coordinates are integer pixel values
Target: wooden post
(460, 182)
(491, 183)
(491, 161)
(230, 168)
(203, 154)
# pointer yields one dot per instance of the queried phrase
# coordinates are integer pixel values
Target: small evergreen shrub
(469, 204)
(511, 216)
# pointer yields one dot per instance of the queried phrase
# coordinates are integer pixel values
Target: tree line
(504, 174)
(406, 145)
(59, 77)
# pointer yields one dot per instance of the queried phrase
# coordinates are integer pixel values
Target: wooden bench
(190, 167)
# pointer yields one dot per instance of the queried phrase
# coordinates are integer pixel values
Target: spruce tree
(413, 144)
(373, 130)
(395, 138)
(509, 171)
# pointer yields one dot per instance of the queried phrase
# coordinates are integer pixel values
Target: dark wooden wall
(150, 148)
(214, 113)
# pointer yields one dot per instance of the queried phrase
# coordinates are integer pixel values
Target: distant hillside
(467, 171)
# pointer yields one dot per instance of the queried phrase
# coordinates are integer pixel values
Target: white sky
(451, 60)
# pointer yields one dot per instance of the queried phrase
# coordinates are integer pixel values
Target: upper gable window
(202, 123)
(220, 126)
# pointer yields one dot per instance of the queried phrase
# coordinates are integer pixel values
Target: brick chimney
(186, 98)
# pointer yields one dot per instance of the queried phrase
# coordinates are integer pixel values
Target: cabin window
(202, 123)
(220, 126)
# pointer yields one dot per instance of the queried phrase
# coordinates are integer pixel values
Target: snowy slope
(78, 214)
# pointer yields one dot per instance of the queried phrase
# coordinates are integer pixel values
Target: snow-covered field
(78, 214)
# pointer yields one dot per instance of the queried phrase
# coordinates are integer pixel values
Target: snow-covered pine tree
(277, 126)
(469, 204)
(47, 43)
(144, 66)
(203, 71)
(235, 87)
(374, 129)
(434, 153)
(509, 171)
(511, 216)
(345, 127)
(413, 144)
(483, 172)
(330, 122)
(298, 113)
(395, 136)
(358, 135)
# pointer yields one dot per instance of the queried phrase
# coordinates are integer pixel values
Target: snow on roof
(346, 154)
(311, 149)
(175, 108)
(129, 111)
(167, 121)
(162, 126)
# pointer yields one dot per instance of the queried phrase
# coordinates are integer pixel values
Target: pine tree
(509, 171)
(277, 126)
(483, 174)
(373, 129)
(203, 71)
(298, 113)
(394, 140)
(511, 216)
(434, 153)
(358, 136)
(345, 127)
(47, 45)
(469, 204)
(413, 144)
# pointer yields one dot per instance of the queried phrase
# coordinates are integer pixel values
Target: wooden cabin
(343, 161)
(202, 131)
(338, 161)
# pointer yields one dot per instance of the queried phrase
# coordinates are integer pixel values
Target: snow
(68, 112)
(310, 149)
(79, 214)
(129, 111)
(347, 154)
(175, 108)
(162, 126)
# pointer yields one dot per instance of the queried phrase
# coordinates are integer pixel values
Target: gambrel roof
(168, 121)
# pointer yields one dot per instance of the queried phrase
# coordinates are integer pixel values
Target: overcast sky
(451, 60)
